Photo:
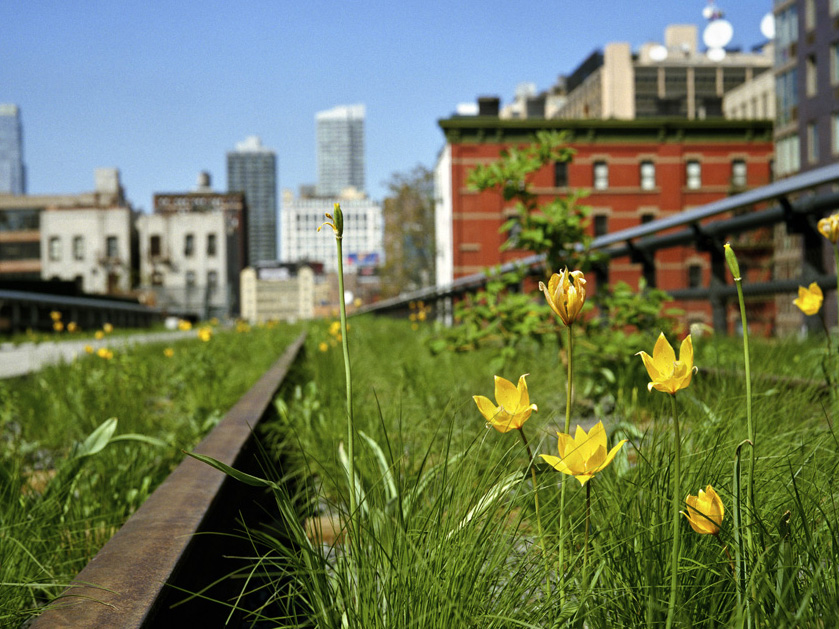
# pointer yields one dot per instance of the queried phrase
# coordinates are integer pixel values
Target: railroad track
(143, 576)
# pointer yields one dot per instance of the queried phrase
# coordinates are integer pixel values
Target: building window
(788, 156)
(738, 173)
(694, 276)
(601, 224)
(154, 246)
(812, 83)
(834, 133)
(809, 14)
(812, 143)
(560, 174)
(601, 175)
(78, 247)
(693, 170)
(111, 247)
(55, 248)
(786, 95)
(189, 245)
(834, 64)
(211, 245)
(647, 175)
(190, 279)
(647, 217)
(212, 281)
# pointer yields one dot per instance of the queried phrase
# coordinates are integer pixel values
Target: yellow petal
(524, 396)
(506, 394)
(663, 356)
(611, 455)
(487, 408)
(557, 463)
(686, 352)
(652, 370)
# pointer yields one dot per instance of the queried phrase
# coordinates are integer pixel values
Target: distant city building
(91, 246)
(21, 255)
(752, 100)
(193, 249)
(806, 76)
(278, 292)
(12, 171)
(340, 150)
(252, 169)
(363, 242)
(673, 79)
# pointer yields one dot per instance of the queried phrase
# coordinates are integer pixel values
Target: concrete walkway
(18, 360)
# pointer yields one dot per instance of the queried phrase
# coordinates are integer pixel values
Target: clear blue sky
(163, 89)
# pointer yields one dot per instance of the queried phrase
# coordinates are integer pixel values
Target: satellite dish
(767, 26)
(658, 53)
(716, 54)
(717, 34)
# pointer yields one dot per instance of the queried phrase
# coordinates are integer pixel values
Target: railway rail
(145, 575)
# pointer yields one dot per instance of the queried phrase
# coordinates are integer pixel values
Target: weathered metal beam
(124, 584)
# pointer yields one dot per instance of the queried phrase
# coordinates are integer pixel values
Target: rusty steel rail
(139, 578)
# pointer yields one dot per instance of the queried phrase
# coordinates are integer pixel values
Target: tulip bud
(731, 258)
(339, 221)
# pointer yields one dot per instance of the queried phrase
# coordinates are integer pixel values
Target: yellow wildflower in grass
(323, 346)
(205, 333)
(184, 325)
(705, 511)
(108, 328)
(809, 299)
(168, 352)
(584, 454)
(829, 228)
(242, 326)
(513, 408)
(104, 352)
(214, 321)
(55, 315)
(99, 335)
(72, 327)
(88, 349)
(58, 326)
(668, 374)
(565, 294)
(335, 328)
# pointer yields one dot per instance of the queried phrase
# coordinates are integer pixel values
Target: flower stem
(348, 376)
(674, 557)
(536, 502)
(569, 390)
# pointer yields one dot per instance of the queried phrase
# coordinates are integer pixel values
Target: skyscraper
(12, 173)
(252, 169)
(340, 149)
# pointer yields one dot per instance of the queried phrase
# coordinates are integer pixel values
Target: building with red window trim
(636, 170)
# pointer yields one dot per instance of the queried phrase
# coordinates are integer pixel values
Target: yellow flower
(583, 455)
(829, 228)
(168, 352)
(55, 315)
(214, 321)
(336, 223)
(72, 326)
(104, 352)
(108, 328)
(513, 408)
(809, 299)
(323, 346)
(99, 335)
(242, 326)
(58, 326)
(705, 511)
(566, 294)
(335, 328)
(668, 374)
(205, 333)
(183, 324)
(88, 349)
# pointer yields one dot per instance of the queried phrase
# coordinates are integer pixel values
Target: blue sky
(163, 89)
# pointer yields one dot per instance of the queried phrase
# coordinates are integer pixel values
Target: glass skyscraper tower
(252, 169)
(340, 149)
(12, 173)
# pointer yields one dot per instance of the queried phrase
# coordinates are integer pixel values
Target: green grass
(58, 508)
(448, 531)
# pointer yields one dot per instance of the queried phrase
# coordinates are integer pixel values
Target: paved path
(17, 360)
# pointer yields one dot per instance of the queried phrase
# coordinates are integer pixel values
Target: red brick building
(636, 170)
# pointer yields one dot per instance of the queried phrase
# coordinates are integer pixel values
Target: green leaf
(97, 440)
(254, 481)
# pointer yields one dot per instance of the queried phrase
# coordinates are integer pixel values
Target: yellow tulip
(58, 326)
(104, 352)
(88, 349)
(705, 511)
(829, 228)
(168, 352)
(513, 408)
(55, 315)
(99, 334)
(566, 294)
(205, 333)
(184, 325)
(583, 455)
(809, 299)
(72, 327)
(668, 374)
(322, 346)
(108, 328)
